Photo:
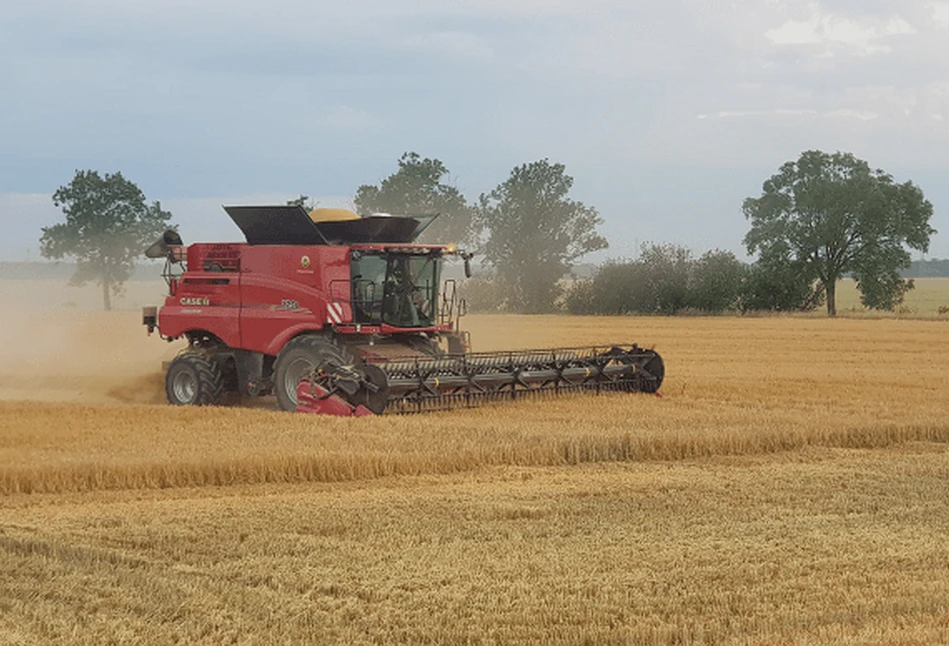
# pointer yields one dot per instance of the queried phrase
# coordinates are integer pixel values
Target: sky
(667, 114)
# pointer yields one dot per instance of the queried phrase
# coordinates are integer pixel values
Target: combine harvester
(342, 315)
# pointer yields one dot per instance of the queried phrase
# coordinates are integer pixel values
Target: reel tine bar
(420, 384)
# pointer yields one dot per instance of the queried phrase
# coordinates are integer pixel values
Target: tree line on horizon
(820, 218)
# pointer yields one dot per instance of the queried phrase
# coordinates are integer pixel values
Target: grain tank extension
(339, 314)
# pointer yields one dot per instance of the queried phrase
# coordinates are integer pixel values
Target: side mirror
(467, 258)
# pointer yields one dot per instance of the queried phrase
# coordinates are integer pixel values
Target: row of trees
(665, 279)
(818, 219)
(668, 279)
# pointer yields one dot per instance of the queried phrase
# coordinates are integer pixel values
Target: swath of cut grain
(734, 387)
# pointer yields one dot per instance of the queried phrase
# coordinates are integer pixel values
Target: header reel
(422, 384)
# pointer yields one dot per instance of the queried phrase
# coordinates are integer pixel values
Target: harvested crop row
(735, 386)
(820, 546)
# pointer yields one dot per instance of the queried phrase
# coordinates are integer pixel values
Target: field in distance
(929, 298)
(789, 487)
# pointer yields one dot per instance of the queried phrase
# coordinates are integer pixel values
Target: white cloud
(941, 13)
(839, 113)
(740, 114)
(933, 101)
(862, 36)
(850, 113)
(795, 32)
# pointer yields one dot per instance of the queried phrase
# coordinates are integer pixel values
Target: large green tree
(417, 188)
(832, 215)
(532, 232)
(108, 225)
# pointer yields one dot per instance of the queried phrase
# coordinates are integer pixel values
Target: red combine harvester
(337, 314)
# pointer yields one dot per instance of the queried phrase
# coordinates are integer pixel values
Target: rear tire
(194, 380)
(297, 359)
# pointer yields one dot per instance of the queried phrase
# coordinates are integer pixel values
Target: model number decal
(193, 300)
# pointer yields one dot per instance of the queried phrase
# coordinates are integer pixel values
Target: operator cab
(395, 287)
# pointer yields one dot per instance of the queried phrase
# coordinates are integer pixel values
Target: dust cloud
(56, 344)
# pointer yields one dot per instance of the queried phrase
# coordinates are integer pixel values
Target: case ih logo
(305, 262)
(195, 301)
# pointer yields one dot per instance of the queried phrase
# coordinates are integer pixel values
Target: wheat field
(789, 487)
(929, 298)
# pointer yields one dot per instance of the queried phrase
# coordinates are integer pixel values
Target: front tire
(194, 380)
(297, 359)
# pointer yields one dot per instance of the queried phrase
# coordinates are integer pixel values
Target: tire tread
(210, 387)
